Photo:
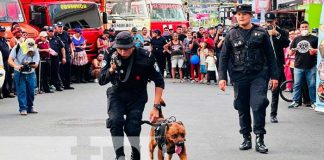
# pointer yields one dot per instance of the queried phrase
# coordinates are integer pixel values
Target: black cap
(124, 40)
(157, 31)
(60, 24)
(50, 29)
(134, 29)
(111, 29)
(245, 8)
(2, 28)
(270, 17)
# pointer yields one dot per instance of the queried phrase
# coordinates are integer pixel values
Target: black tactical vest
(247, 55)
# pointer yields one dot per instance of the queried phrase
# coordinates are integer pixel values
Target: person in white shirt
(211, 67)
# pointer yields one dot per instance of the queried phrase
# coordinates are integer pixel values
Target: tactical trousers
(250, 91)
(275, 93)
(65, 71)
(55, 76)
(131, 105)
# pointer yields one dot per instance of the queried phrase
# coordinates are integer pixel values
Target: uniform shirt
(65, 38)
(4, 48)
(303, 60)
(21, 58)
(142, 70)
(226, 60)
(56, 44)
(158, 43)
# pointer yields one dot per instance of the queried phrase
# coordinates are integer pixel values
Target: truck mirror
(36, 18)
(104, 18)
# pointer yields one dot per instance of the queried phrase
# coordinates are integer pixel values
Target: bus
(152, 14)
(11, 11)
(73, 14)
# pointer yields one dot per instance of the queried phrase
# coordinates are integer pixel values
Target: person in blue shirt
(139, 40)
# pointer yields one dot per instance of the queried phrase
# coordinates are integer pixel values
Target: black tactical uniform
(4, 48)
(279, 42)
(250, 57)
(128, 93)
(57, 45)
(65, 69)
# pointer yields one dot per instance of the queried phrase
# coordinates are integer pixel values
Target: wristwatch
(157, 106)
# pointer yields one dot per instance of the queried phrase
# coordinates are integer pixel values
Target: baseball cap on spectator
(134, 29)
(111, 29)
(51, 29)
(157, 31)
(30, 44)
(2, 28)
(16, 30)
(124, 40)
(43, 34)
(59, 24)
(206, 31)
(78, 30)
(269, 17)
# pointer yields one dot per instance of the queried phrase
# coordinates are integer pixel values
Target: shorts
(203, 69)
(177, 61)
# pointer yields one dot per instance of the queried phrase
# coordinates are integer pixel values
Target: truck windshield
(127, 8)
(81, 15)
(167, 12)
(10, 11)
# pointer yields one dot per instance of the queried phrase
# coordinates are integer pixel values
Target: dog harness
(160, 138)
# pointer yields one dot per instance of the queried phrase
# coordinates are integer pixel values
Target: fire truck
(11, 11)
(152, 14)
(73, 14)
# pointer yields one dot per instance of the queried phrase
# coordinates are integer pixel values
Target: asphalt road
(71, 126)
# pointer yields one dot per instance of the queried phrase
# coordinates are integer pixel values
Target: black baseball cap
(2, 28)
(245, 8)
(270, 17)
(60, 24)
(50, 29)
(124, 40)
(157, 31)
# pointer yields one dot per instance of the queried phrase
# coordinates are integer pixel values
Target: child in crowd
(211, 67)
(203, 52)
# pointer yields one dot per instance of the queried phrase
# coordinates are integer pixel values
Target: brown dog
(169, 137)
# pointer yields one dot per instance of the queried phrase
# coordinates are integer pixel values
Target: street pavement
(71, 126)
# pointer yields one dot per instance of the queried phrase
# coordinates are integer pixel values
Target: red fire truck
(73, 14)
(11, 11)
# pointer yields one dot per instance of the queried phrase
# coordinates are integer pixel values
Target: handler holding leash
(128, 71)
(248, 55)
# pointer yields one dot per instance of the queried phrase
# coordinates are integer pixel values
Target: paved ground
(71, 126)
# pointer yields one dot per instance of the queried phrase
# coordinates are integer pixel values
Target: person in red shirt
(206, 38)
(43, 72)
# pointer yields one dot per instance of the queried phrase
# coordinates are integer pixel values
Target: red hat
(206, 31)
(16, 30)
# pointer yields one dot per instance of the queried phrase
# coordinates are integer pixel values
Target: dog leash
(168, 120)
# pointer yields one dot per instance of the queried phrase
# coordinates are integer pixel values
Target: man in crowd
(279, 40)
(157, 43)
(4, 49)
(57, 56)
(24, 59)
(65, 68)
(182, 36)
(304, 47)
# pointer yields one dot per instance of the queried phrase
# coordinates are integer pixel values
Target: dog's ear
(179, 122)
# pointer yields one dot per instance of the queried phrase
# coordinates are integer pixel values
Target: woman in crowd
(80, 58)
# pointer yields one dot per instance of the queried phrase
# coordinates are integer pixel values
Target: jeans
(310, 78)
(25, 89)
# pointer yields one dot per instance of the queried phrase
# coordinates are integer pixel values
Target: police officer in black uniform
(248, 56)
(279, 40)
(4, 48)
(65, 69)
(129, 69)
(57, 45)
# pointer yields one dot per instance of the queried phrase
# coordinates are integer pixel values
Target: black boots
(247, 143)
(259, 144)
(136, 155)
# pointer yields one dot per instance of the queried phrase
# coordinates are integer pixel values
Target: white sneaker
(96, 80)
(313, 106)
